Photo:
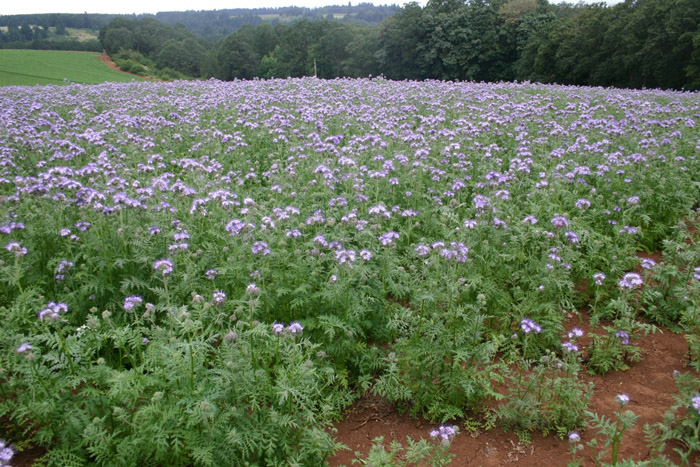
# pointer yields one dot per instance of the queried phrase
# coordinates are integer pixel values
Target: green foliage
(548, 396)
(415, 453)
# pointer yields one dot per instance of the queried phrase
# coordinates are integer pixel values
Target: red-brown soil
(649, 384)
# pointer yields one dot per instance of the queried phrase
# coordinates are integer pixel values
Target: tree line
(637, 43)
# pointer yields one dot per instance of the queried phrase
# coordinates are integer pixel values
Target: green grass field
(31, 67)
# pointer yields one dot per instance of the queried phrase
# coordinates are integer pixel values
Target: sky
(10, 7)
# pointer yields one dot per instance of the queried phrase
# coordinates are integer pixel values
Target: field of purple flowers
(207, 273)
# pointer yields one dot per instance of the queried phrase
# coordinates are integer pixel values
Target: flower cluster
(696, 403)
(132, 302)
(16, 249)
(6, 454)
(294, 328)
(528, 326)
(631, 280)
(163, 266)
(444, 433)
(53, 311)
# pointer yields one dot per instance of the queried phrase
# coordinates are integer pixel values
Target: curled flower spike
(163, 266)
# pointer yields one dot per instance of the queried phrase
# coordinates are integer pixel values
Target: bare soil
(649, 384)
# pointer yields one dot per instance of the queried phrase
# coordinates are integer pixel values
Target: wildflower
(64, 232)
(366, 255)
(53, 310)
(574, 437)
(631, 280)
(648, 263)
(629, 230)
(559, 222)
(16, 249)
(583, 204)
(295, 328)
(696, 275)
(154, 230)
(345, 257)
(211, 274)
(218, 298)
(295, 233)
(623, 336)
(598, 277)
(444, 432)
(24, 347)
(231, 336)
(633, 200)
(6, 454)
(278, 328)
(696, 403)
(571, 237)
(575, 333)
(424, 250)
(260, 247)
(145, 340)
(163, 266)
(333, 279)
(528, 325)
(252, 289)
(388, 238)
(622, 399)
(570, 346)
(532, 220)
(131, 302)
(82, 226)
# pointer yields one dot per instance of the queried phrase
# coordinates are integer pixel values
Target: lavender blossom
(163, 266)
(444, 433)
(623, 336)
(218, 298)
(622, 399)
(211, 274)
(23, 347)
(388, 238)
(252, 290)
(16, 249)
(53, 311)
(631, 280)
(528, 325)
(260, 247)
(132, 302)
(598, 277)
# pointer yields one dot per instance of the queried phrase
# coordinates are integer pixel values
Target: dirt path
(104, 58)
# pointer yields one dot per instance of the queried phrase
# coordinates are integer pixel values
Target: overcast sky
(14, 7)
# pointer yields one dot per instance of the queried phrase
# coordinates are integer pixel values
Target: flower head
(528, 325)
(53, 310)
(277, 328)
(16, 249)
(211, 274)
(696, 403)
(574, 437)
(132, 302)
(295, 328)
(163, 266)
(218, 298)
(444, 433)
(6, 453)
(598, 277)
(24, 347)
(631, 280)
(252, 289)
(623, 336)
(622, 399)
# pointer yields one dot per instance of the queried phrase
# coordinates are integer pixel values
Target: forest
(633, 44)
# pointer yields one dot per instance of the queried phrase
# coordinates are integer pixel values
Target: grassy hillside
(30, 67)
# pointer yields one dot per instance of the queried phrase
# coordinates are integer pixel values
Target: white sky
(13, 7)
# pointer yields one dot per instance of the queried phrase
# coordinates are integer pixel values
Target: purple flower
(648, 263)
(629, 230)
(163, 266)
(218, 298)
(696, 403)
(16, 249)
(622, 399)
(422, 250)
(571, 237)
(295, 233)
(154, 230)
(583, 204)
(211, 274)
(260, 247)
(631, 280)
(470, 223)
(574, 437)
(528, 325)
(696, 275)
(532, 220)
(570, 346)
(6, 454)
(444, 433)
(53, 310)
(295, 328)
(575, 333)
(559, 222)
(598, 277)
(24, 347)
(132, 302)
(345, 257)
(623, 336)
(388, 238)
(277, 328)
(252, 289)
(366, 255)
